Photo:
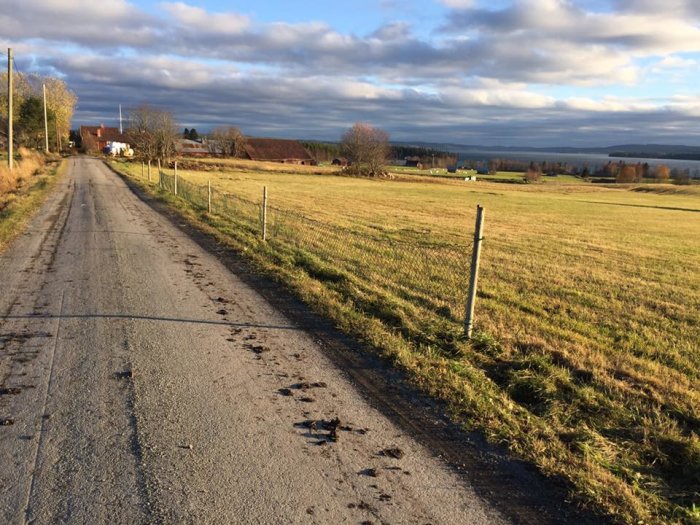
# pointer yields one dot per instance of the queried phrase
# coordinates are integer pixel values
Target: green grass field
(586, 359)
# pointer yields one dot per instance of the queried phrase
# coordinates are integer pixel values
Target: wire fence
(405, 282)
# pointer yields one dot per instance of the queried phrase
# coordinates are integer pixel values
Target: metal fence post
(175, 177)
(264, 214)
(474, 274)
(209, 196)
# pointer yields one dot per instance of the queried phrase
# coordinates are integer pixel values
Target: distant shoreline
(656, 156)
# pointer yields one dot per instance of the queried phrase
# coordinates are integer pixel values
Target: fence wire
(399, 280)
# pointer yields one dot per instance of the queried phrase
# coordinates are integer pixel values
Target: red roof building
(102, 135)
(278, 150)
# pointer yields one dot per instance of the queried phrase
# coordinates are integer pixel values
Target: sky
(483, 72)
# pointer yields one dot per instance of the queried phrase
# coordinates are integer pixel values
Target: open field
(587, 356)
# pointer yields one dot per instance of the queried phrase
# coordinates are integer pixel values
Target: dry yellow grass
(28, 164)
(587, 358)
(23, 189)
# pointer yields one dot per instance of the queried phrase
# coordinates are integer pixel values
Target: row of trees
(153, 133)
(629, 173)
(28, 117)
(620, 171)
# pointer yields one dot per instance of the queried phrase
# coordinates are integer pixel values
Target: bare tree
(367, 148)
(228, 141)
(89, 144)
(153, 133)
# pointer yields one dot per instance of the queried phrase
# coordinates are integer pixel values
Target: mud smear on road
(515, 487)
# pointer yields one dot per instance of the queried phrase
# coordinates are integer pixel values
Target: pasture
(586, 359)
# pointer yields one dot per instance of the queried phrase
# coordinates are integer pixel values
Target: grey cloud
(309, 80)
(315, 108)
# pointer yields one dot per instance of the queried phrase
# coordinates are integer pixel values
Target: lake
(592, 160)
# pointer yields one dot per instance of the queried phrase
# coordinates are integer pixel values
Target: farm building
(192, 148)
(102, 136)
(340, 161)
(278, 150)
(413, 162)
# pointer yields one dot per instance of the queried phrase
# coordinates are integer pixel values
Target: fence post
(175, 177)
(474, 272)
(160, 175)
(209, 196)
(142, 170)
(149, 170)
(264, 214)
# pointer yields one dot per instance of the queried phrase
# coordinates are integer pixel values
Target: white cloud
(457, 4)
(196, 18)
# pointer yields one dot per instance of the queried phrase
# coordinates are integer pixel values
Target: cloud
(482, 76)
(457, 4)
(197, 19)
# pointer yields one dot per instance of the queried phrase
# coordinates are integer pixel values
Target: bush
(533, 175)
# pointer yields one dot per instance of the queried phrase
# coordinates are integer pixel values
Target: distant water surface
(581, 160)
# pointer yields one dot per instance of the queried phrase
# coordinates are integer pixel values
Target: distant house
(102, 136)
(278, 150)
(340, 161)
(192, 148)
(413, 162)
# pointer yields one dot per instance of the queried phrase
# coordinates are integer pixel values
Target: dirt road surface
(141, 381)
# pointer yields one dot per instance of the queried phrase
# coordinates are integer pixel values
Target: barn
(278, 150)
(192, 148)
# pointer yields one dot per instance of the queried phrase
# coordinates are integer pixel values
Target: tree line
(153, 133)
(327, 151)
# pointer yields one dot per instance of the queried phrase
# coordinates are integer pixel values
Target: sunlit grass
(22, 191)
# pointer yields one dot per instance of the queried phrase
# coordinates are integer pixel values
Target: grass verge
(24, 190)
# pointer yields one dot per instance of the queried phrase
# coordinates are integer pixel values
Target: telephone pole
(10, 162)
(121, 131)
(46, 121)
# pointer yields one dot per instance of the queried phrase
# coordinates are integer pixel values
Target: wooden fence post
(264, 214)
(160, 174)
(474, 271)
(149, 170)
(209, 196)
(175, 177)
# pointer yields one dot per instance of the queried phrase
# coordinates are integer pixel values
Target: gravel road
(143, 382)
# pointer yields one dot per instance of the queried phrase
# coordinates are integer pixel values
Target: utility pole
(46, 121)
(121, 131)
(10, 161)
